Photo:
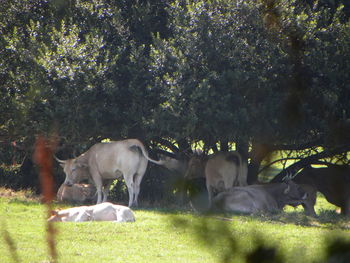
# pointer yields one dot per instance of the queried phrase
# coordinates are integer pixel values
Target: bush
(11, 177)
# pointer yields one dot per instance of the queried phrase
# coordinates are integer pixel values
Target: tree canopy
(266, 76)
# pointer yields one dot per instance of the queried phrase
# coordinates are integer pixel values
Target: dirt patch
(22, 194)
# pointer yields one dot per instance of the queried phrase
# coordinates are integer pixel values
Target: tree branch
(310, 160)
(293, 147)
(276, 161)
(167, 144)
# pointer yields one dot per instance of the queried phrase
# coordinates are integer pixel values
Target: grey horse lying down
(252, 199)
(100, 212)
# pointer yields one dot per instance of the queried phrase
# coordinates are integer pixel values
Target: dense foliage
(266, 76)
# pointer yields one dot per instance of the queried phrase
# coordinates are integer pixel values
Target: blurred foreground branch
(43, 154)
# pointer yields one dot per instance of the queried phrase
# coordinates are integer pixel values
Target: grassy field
(159, 235)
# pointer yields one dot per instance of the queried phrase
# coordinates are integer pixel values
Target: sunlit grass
(162, 235)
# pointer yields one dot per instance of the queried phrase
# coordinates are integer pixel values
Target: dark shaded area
(263, 254)
(162, 187)
(333, 182)
(338, 251)
(198, 194)
(159, 188)
(25, 176)
(213, 231)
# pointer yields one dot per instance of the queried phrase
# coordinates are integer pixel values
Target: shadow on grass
(11, 245)
(216, 233)
(24, 202)
(325, 219)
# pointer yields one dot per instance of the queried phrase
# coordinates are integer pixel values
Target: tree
(237, 71)
(264, 77)
(77, 67)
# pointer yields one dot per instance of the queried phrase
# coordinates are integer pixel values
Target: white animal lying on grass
(79, 193)
(100, 212)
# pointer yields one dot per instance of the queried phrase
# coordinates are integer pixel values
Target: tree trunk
(29, 175)
(253, 169)
(259, 152)
(224, 146)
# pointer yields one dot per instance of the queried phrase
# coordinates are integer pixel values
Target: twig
(44, 150)
(10, 243)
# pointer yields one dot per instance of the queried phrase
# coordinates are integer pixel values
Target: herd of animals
(225, 175)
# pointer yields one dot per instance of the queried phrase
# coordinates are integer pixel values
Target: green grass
(159, 235)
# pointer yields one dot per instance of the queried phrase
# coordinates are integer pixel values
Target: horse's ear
(54, 212)
(81, 164)
(198, 152)
(286, 191)
(287, 177)
(55, 216)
